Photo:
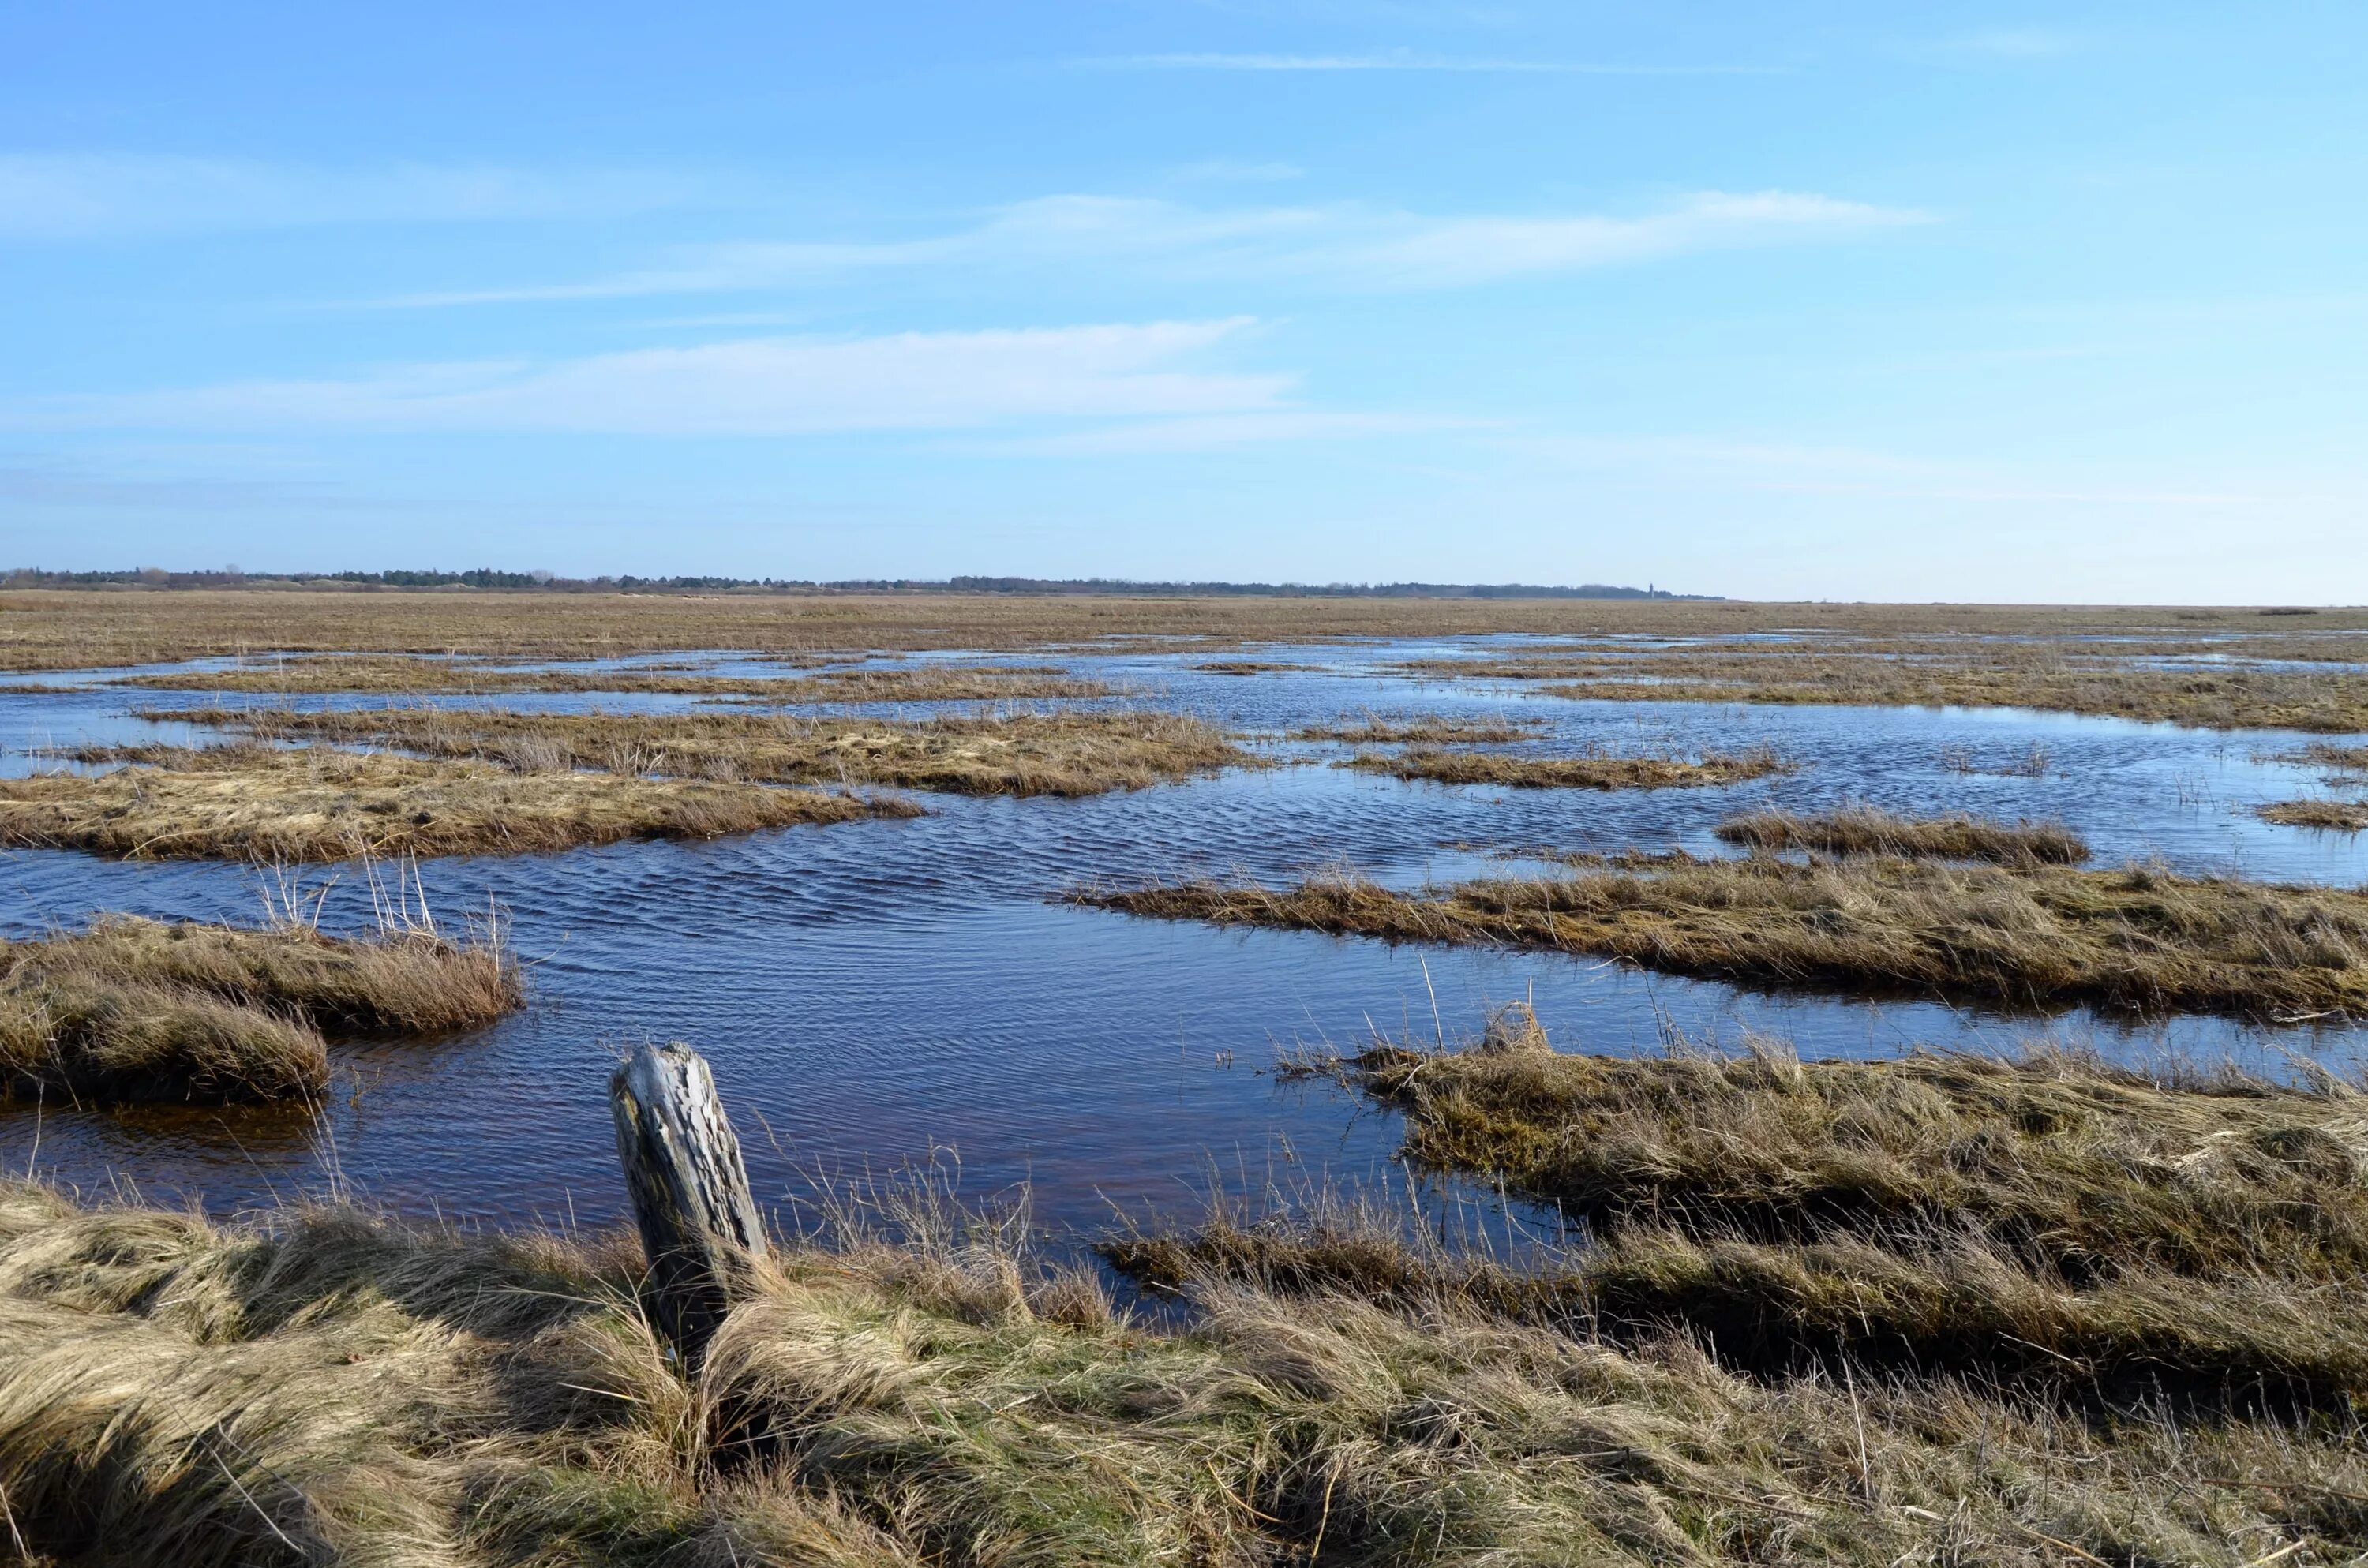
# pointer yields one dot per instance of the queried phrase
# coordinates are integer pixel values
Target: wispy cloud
(1239, 170)
(52, 197)
(1333, 247)
(1400, 60)
(909, 381)
(2009, 43)
(51, 484)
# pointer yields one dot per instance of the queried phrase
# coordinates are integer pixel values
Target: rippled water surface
(880, 993)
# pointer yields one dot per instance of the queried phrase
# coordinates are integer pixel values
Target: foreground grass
(135, 1009)
(316, 803)
(2048, 1223)
(1057, 753)
(2019, 936)
(1595, 772)
(382, 673)
(324, 1387)
(1869, 830)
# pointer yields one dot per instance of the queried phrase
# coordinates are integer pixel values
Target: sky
(1780, 300)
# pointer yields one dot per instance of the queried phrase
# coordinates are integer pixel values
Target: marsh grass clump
(2323, 753)
(325, 1386)
(138, 1010)
(1870, 830)
(327, 673)
(1592, 772)
(2331, 816)
(1060, 752)
(1435, 729)
(266, 803)
(2025, 935)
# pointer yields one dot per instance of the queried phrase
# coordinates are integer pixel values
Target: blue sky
(2056, 302)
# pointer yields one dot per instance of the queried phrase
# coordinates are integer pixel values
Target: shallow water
(880, 993)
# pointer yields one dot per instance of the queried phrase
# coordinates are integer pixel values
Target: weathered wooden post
(690, 1188)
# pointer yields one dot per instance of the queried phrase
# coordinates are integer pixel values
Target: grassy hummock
(1869, 830)
(259, 802)
(1436, 766)
(389, 673)
(138, 1010)
(2331, 816)
(2016, 935)
(1056, 753)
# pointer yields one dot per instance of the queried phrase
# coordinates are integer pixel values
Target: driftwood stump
(690, 1196)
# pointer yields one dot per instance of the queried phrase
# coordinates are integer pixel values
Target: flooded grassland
(1906, 1126)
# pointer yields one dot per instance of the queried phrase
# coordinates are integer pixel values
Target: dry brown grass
(1057, 753)
(256, 802)
(1986, 676)
(2022, 936)
(1596, 771)
(2331, 816)
(2352, 759)
(140, 1010)
(382, 674)
(77, 630)
(320, 1386)
(1869, 830)
(2076, 1232)
(1436, 729)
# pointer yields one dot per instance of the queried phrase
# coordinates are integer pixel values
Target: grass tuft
(1594, 772)
(2028, 936)
(1869, 830)
(137, 1009)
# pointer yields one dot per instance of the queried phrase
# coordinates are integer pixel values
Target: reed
(259, 802)
(1055, 752)
(1593, 772)
(2014, 935)
(1869, 830)
(320, 1385)
(138, 1010)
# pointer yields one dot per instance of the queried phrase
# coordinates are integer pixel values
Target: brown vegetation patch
(257, 802)
(1249, 667)
(1058, 753)
(135, 1009)
(360, 674)
(1593, 772)
(2059, 673)
(2023, 936)
(1437, 729)
(2333, 817)
(1869, 830)
(325, 1386)
(44, 628)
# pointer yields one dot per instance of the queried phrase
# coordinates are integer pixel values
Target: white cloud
(98, 196)
(1342, 245)
(755, 387)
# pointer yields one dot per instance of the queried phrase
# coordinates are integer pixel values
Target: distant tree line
(546, 581)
